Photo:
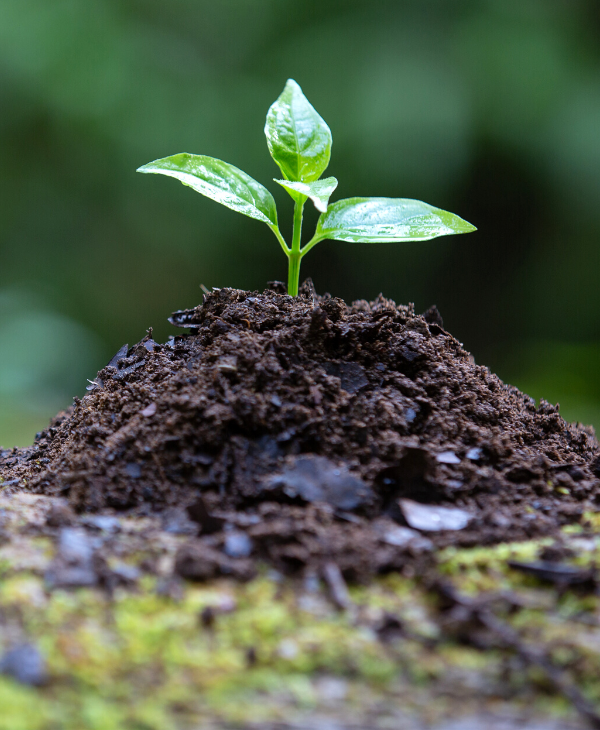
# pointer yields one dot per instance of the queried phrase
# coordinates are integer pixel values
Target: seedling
(299, 141)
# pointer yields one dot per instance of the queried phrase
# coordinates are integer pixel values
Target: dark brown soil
(293, 429)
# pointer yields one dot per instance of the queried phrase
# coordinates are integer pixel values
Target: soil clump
(313, 434)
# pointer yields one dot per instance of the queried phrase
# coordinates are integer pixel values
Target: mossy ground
(276, 650)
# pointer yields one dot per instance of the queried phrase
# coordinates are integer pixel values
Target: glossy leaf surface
(377, 220)
(219, 181)
(318, 191)
(299, 140)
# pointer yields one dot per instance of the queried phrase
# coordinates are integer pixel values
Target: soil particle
(287, 429)
(60, 514)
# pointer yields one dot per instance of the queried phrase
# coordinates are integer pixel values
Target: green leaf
(299, 140)
(318, 191)
(219, 181)
(377, 220)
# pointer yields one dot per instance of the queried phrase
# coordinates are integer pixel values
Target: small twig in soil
(9, 483)
(337, 585)
(481, 612)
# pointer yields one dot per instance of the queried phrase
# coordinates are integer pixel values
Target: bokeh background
(488, 108)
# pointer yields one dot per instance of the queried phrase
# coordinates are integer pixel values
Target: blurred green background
(488, 108)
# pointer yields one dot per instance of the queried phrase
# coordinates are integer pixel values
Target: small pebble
(125, 573)
(474, 454)
(399, 536)
(74, 545)
(105, 523)
(447, 457)
(431, 518)
(410, 414)
(133, 470)
(238, 545)
(25, 664)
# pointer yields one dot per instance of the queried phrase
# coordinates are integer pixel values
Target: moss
(141, 660)
(593, 520)
(485, 569)
(22, 708)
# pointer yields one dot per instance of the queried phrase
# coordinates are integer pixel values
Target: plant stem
(293, 274)
(284, 246)
(313, 242)
(295, 255)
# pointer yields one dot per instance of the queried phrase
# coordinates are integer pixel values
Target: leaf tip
(293, 84)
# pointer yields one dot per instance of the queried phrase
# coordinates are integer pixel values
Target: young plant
(299, 141)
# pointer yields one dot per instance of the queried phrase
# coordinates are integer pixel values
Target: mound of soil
(307, 431)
